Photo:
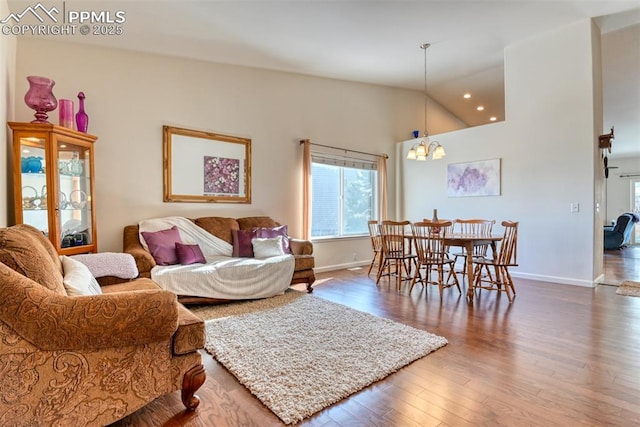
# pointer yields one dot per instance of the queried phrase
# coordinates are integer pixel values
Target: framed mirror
(205, 167)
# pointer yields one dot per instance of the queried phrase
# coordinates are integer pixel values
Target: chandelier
(422, 149)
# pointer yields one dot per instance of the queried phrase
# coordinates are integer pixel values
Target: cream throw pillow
(77, 279)
(267, 247)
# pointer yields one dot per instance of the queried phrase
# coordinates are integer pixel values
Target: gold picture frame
(205, 167)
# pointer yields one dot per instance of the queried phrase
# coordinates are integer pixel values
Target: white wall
(130, 95)
(547, 147)
(7, 72)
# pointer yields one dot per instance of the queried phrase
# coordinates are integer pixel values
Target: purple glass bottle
(82, 119)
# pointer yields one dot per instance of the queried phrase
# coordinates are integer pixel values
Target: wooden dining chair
(376, 245)
(479, 227)
(449, 230)
(429, 242)
(397, 258)
(507, 256)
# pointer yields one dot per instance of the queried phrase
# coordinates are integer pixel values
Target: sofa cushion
(242, 243)
(162, 245)
(271, 232)
(77, 278)
(133, 285)
(189, 254)
(219, 226)
(26, 250)
(190, 335)
(267, 247)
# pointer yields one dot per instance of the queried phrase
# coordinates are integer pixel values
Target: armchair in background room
(619, 235)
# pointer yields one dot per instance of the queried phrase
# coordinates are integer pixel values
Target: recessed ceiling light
(493, 118)
(480, 108)
(466, 96)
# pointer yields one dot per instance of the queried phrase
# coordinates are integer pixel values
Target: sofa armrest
(301, 247)
(52, 321)
(131, 245)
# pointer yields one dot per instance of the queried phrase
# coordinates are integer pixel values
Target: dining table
(468, 242)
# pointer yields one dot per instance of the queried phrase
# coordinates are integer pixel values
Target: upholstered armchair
(86, 360)
(619, 235)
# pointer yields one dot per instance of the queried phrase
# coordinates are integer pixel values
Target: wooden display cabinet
(54, 184)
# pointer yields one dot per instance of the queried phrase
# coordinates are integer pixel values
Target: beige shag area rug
(629, 288)
(299, 354)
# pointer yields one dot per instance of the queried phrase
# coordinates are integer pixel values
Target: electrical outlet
(355, 256)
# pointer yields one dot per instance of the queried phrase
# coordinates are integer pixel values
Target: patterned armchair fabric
(87, 360)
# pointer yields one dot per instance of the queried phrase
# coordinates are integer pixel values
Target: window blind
(343, 161)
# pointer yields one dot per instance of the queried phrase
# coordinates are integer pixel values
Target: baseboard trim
(531, 276)
(556, 279)
(340, 266)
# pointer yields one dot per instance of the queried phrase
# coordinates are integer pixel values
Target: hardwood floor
(558, 355)
(622, 264)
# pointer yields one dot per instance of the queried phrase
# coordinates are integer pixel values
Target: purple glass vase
(82, 119)
(65, 109)
(40, 97)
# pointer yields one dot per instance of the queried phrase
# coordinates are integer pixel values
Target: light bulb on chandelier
(421, 150)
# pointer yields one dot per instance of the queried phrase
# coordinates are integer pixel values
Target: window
(343, 196)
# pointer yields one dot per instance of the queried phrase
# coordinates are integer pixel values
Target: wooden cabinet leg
(191, 382)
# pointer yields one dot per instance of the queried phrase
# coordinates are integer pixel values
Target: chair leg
(455, 279)
(400, 265)
(508, 283)
(373, 261)
(440, 280)
(376, 260)
(464, 263)
(381, 267)
(416, 277)
(509, 280)
(191, 382)
(476, 277)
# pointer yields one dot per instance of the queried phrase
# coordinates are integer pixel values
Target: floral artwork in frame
(221, 175)
(205, 167)
(480, 178)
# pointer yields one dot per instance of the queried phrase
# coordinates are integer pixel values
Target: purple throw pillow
(275, 232)
(242, 246)
(162, 245)
(189, 254)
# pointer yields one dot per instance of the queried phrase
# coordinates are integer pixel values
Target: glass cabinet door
(33, 177)
(74, 213)
(54, 187)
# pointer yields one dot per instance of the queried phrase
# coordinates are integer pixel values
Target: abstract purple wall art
(481, 178)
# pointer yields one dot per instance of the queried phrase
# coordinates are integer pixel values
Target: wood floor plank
(558, 355)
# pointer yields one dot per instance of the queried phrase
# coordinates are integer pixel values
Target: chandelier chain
(422, 149)
(426, 97)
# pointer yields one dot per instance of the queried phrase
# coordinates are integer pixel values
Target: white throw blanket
(189, 234)
(222, 276)
(110, 264)
(228, 278)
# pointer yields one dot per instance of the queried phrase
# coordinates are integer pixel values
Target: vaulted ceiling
(379, 42)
